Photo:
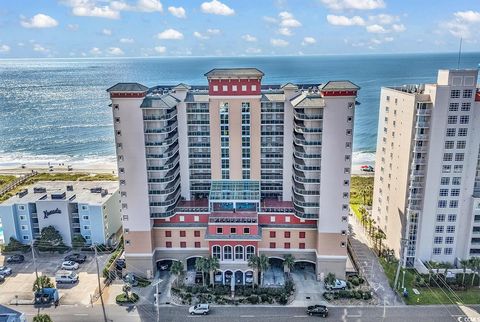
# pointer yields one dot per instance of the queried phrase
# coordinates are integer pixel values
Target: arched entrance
(239, 280)
(164, 264)
(227, 277)
(191, 263)
(274, 276)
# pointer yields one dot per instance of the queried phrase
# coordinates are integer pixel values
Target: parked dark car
(17, 258)
(120, 264)
(77, 258)
(2, 278)
(321, 310)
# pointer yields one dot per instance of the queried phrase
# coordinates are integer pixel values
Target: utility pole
(403, 242)
(99, 285)
(34, 263)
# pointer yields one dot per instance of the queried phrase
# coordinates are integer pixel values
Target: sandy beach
(97, 167)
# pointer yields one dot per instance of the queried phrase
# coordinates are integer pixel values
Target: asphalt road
(258, 314)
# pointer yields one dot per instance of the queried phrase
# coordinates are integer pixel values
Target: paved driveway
(308, 291)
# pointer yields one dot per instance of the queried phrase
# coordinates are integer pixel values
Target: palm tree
(364, 194)
(201, 264)
(126, 290)
(475, 265)
(288, 262)
(263, 265)
(363, 213)
(213, 265)
(42, 318)
(176, 269)
(254, 263)
(465, 264)
(329, 279)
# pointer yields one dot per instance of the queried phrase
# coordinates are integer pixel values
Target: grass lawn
(429, 295)
(6, 179)
(356, 199)
(355, 208)
(58, 177)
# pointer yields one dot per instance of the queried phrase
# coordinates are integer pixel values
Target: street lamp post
(403, 279)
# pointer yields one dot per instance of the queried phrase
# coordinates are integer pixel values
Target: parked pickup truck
(338, 285)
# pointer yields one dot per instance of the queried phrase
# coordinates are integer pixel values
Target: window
(459, 156)
(452, 217)
(441, 217)
(443, 192)
(123, 193)
(445, 181)
(219, 230)
(301, 234)
(449, 145)
(346, 182)
(462, 131)
(286, 245)
(453, 204)
(466, 107)
(450, 229)
(197, 244)
(233, 230)
(453, 107)
(437, 251)
(446, 168)
(452, 119)
(168, 233)
(455, 93)
(348, 145)
(86, 227)
(467, 93)
(451, 132)
(183, 233)
(250, 251)
(272, 234)
(301, 245)
(447, 156)
(216, 252)
(124, 206)
(115, 107)
(227, 252)
(246, 231)
(348, 132)
(455, 192)
(25, 237)
(181, 218)
(120, 145)
(456, 181)
(24, 227)
(22, 217)
(119, 133)
(196, 233)
(183, 244)
(442, 204)
(215, 88)
(464, 119)
(448, 251)
(439, 229)
(239, 252)
(461, 144)
(196, 218)
(272, 218)
(437, 240)
(224, 88)
(244, 88)
(234, 88)
(254, 88)
(287, 218)
(168, 244)
(273, 245)
(287, 234)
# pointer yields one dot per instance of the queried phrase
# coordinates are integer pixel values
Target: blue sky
(135, 28)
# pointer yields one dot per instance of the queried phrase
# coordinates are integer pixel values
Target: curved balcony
(166, 154)
(313, 153)
(305, 213)
(170, 139)
(170, 200)
(163, 117)
(300, 139)
(156, 212)
(299, 176)
(300, 201)
(170, 127)
(171, 187)
(300, 114)
(170, 164)
(300, 127)
(170, 176)
(300, 189)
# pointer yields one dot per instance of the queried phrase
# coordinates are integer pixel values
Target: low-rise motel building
(235, 168)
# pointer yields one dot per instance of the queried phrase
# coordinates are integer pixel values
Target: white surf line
(247, 316)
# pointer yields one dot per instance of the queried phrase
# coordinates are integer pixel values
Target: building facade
(427, 170)
(234, 169)
(87, 208)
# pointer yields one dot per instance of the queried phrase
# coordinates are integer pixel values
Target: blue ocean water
(57, 110)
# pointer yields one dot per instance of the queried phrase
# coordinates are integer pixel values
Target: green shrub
(359, 295)
(14, 246)
(367, 295)
(345, 294)
(253, 299)
(327, 296)
(122, 299)
(355, 281)
(349, 285)
(361, 280)
(283, 299)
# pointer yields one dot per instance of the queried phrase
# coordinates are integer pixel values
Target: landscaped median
(434, 288)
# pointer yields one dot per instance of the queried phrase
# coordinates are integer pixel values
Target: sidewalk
(369, 266)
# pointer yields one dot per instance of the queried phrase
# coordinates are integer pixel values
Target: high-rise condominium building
(427, 178)
(234, 169)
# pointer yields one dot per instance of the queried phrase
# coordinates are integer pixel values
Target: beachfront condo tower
(427, 169)
(234, 169)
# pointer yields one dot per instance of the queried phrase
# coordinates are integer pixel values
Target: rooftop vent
(96, 190)
(39, 190)
(69, 187)
(104, 192)
(22, 193)
(58, 195)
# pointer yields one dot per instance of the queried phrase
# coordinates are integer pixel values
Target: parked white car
(5, 271)
(338, 285)
(66, 277)
(69, 265)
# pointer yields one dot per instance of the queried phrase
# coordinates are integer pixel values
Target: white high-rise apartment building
(233, 169)
(427, 171)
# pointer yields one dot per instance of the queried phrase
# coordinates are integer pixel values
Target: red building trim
(280, 219)
(477, 97)
(128, 95)
(230, 83)
(339, 93)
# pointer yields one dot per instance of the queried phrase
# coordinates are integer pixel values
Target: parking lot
(19, 284)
